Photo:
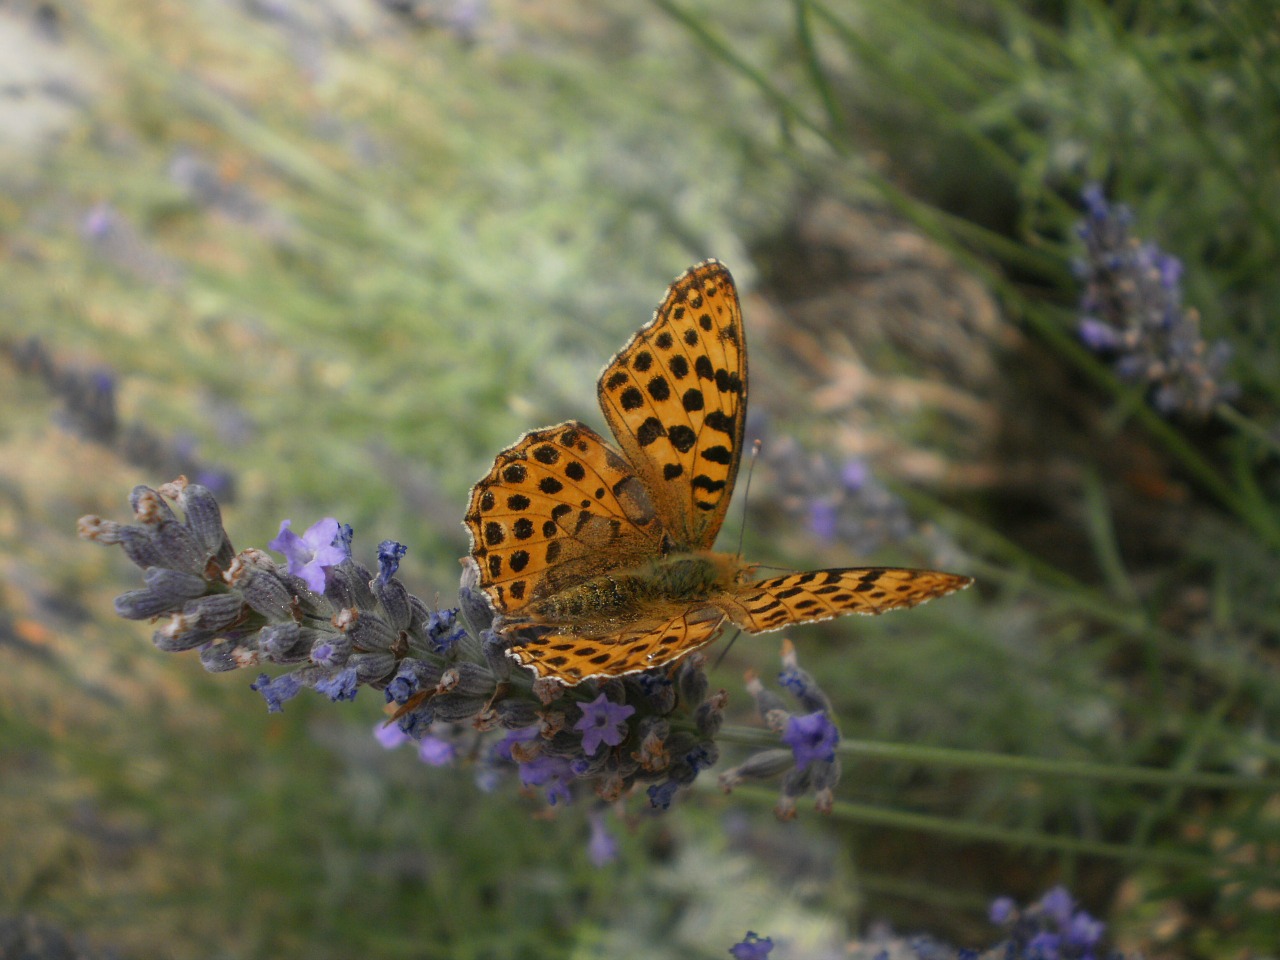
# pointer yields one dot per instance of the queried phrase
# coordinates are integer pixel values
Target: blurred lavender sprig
(839, 500)
(1132, 310)
(90, 411)
(115, 239)
(1052, 928)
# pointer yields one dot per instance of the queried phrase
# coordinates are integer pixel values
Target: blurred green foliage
(353, 249)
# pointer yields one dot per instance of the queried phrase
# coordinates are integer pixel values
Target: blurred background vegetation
(333, 255)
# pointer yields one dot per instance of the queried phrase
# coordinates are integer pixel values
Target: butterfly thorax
(679, 580)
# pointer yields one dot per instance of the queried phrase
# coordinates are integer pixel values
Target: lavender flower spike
(1132, 311)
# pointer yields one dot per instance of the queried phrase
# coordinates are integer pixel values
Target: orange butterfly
(608, 552)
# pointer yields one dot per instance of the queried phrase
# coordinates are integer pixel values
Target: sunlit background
(329, 256)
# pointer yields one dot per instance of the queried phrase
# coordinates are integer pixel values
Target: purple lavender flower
(99, 221)
(752, 947)
(311, 554)
(435, 752)
(1083, 930)
(389, 555)
(602, 722)
(854, 475)
(443, 630)
(1003, 909)
(390, 736)
(340, 686)
(330, 653)
(602, 848)
(812, 737)
(1132, 310)
(661, 794)
(502, 750)
(1044, 946)
(1058, 905)
(551, 772)
(823, 519)
(276, 691)
(1098, 336)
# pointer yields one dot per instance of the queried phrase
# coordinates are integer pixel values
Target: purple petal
(436, 752)
(390, 735)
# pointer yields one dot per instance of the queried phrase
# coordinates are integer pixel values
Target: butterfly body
(623, 597)
(599, 560)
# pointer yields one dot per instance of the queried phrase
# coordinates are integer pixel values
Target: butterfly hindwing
(639, 646)
(780, 602)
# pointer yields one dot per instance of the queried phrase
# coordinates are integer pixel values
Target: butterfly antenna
(727, 647)
(746, 497)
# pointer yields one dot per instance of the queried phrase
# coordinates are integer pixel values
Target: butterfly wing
(558, 506)
(780, 602)
(675, 398)
(636, 647)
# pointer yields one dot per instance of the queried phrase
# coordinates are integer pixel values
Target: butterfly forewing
(675, 397)
(780, 602)
(558, 506)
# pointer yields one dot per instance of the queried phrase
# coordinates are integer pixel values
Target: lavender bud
(372, 665)
(395, 603)
(139, 546)
(476, 611)
(456, 707)
(149, 507)
(710, 714)
(261, 586)
(514, 714)
(285, 642)
(179, 549)
(225, 655)
(370, 632)
(691, 679)
(759, 766)
(348, 586)
(331, 649)
(144, 604)
(494, 647)
(470, 679)
(204, 517)
(216, 612)
(180, 633)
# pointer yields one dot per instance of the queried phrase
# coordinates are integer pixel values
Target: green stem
(730, 57)
(969, 832)
(1244, 425)
(813, 65)
(1023, 766)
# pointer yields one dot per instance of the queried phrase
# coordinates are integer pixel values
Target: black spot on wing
(682, 437)
(649, 431)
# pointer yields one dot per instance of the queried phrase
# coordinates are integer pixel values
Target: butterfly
(598, 559)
